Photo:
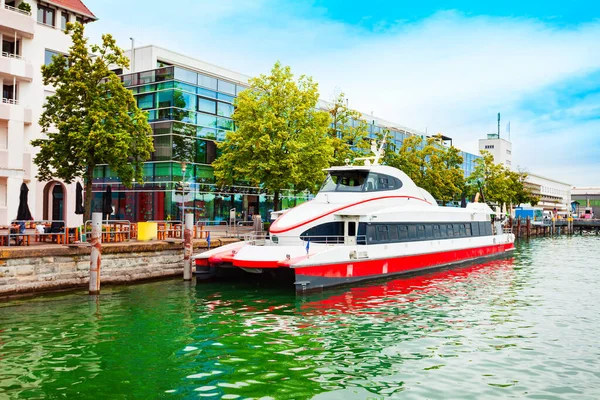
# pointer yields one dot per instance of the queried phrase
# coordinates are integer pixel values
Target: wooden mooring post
(96, 254)
(187, 247)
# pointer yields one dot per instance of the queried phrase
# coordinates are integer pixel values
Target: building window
(45, 15)
(49, 54)
(79, 19)
(64, 18)
(224, 109)
(508, 152)
(489, 146)
(207, 106)
(207, 81)
(226, 87)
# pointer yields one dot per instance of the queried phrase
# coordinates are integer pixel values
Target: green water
(523, 327)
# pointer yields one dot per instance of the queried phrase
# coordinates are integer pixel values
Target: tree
(348, 132)
(498, 184)
(432, 166)
(92, 118)
(281, 140)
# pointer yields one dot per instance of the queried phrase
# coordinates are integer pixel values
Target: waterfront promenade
(42, 267)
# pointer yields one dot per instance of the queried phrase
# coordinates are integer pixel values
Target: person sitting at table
(17, 228)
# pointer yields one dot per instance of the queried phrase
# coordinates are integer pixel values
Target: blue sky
(432, 66)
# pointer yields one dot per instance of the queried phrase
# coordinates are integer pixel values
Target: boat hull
(316, 278)
(311, 278)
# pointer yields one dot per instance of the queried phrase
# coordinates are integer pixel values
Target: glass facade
(190, 112)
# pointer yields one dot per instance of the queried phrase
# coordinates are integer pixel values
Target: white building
(500, 148)
(29, 40)
(553, 194)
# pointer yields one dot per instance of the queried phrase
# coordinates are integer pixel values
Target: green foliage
(281, 140)
(349, 133)
(498, 184)
(25, 7)
(92, 118)
(431, 165)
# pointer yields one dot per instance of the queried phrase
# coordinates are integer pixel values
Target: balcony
(18, 20)
(11, 110)
(14, 65)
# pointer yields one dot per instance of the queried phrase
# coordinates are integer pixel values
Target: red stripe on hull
(276, 229)
(397, 265)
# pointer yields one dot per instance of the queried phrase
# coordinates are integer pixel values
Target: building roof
(73, 5)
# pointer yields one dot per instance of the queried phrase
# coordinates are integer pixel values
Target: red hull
(391, 266)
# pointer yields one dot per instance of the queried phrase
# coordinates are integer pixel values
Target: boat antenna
(378, 153)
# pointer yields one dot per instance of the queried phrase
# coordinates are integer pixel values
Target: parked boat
(366, 222)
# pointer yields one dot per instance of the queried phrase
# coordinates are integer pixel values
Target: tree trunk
(276, 200)
(89, 179)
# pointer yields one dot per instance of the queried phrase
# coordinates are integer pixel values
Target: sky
(436, 67)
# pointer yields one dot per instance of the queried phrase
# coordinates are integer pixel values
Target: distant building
(500, 148)
(30, 40)
(587, 196)
(553, 194)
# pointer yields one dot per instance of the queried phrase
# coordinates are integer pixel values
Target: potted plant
(24, 7)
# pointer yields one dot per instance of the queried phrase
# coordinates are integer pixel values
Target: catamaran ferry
(366, 222)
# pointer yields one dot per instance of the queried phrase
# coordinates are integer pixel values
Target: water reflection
(509, 328)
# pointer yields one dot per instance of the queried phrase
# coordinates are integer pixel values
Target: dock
(527, 228)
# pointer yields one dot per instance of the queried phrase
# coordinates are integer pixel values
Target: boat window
(402, 232)
(382, 233)
(415, 232)
(362, 234)
(345, 181)
(359, 181)
(420, 231)
(393, 229)
(371, 234)
(412, 232)
(329, 232)
(378, 182)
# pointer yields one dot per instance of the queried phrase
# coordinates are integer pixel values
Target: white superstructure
(366, 222)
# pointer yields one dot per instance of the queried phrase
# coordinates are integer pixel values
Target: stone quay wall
(26, 270)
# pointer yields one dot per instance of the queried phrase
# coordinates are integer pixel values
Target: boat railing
(256, 238)
(334, 240)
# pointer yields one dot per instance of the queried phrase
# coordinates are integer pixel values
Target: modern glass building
(189, 105)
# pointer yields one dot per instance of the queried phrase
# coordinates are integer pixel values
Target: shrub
(25, 7)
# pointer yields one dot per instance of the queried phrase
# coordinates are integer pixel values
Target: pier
(527, 228)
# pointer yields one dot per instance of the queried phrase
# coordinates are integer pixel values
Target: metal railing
(122, 227)
(11, 55)
(242, 228)
(216, 228)
(256, 238)
(10, 101)
(11, 8)
(31, 229)
(328, 240)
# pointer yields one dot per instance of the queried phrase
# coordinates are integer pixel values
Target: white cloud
(449, 73)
